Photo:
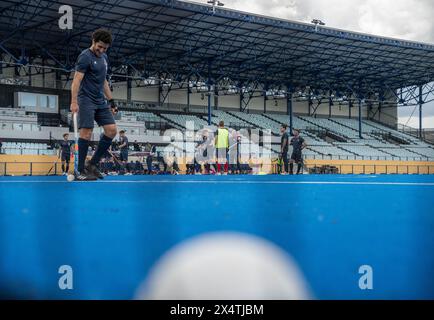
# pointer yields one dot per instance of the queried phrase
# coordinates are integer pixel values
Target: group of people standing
(226, 160)
(298, 144)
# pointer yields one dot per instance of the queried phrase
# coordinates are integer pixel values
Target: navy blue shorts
(124, 155)
(66, 157)
(102, 116)
(297, 157)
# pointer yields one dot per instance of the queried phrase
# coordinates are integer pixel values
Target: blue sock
(83, 146)
(103, 145)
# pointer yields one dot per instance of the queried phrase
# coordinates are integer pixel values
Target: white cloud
(402, 19)
(405, 19)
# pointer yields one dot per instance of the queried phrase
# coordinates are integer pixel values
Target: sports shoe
(93, 170)
(85, 176)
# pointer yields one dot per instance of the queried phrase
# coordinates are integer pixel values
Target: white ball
(225, 265)
(70, 177)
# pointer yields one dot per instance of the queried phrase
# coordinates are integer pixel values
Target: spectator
(65, 153)
(130, 168)
(139, 168)
(298, 144)
(136, 146)
(123, 146)
(222, 145)
(151, 153)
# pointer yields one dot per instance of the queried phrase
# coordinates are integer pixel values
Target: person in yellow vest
(222, 146)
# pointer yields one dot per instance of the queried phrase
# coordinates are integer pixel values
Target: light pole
(317, 22)
(214, 4)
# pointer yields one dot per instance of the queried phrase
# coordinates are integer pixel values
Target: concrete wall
(229, 102)
(143, 93)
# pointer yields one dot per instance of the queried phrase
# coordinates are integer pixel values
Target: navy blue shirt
(284, 142)
(91, 93)
(123, 140)
(65, 147)
(297, 144)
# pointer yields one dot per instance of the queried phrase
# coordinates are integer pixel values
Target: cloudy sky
(403, 19)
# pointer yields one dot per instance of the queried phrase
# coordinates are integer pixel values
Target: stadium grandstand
(179, 68)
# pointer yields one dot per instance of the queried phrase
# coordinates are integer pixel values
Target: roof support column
(58, 79)
(360, 118)
(30, 71)
(188, 93)
(129, 84)
(209, 92)
(265, 101)
(160, 89)
(241, 98)
(420, 112)
(330, 104)
(309, 112)
(380, 106)
(43, 72)
(289, 106)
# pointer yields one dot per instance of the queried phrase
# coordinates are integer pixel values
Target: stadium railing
(50, 168)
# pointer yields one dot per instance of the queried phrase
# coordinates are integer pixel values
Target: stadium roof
(185, 39)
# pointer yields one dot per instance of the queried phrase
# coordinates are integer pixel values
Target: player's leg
(67, 159)
(63, 166)
(291, 164)
(226, 162)
(149, 164)
(83, 147)
(299, 164)
(104, 118)
(218, 160)
(85, 126)
(285, 163)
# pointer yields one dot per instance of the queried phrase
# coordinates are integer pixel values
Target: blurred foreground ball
(225, 266)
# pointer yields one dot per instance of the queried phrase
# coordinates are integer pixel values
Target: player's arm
(303, 145)
(109, 97)
(216, 135)
(78, 77)
(107, 91)
(285, 141)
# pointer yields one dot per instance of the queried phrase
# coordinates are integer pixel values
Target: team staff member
(123, 146)
(284, 143)
(298, 144)
(222, 146)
